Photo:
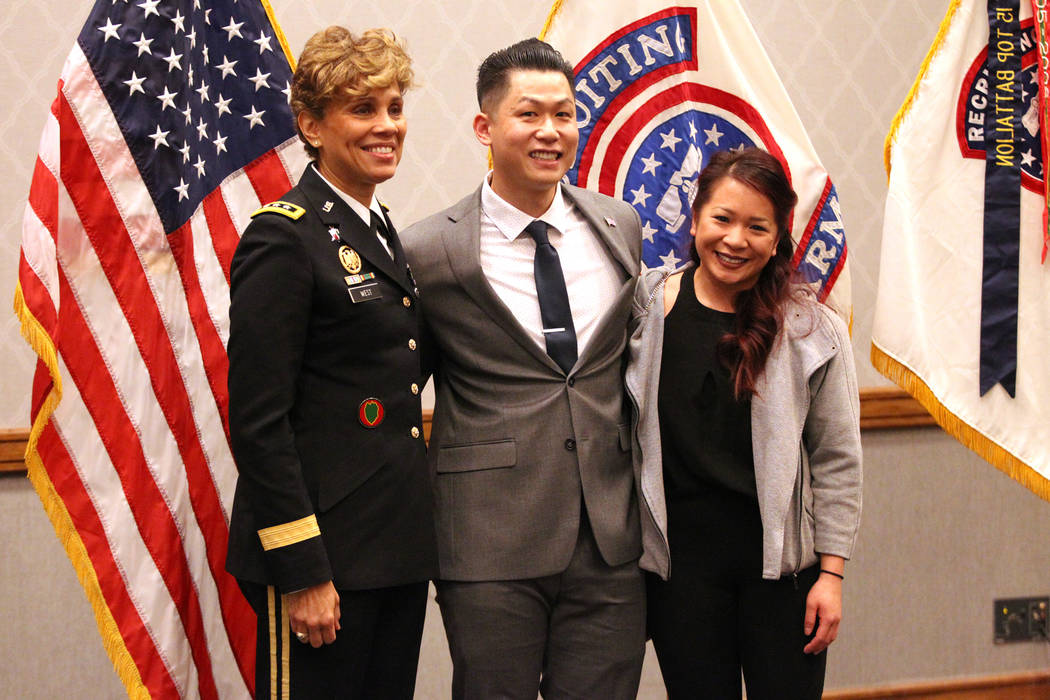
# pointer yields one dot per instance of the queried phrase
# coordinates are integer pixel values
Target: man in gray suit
(526, 286)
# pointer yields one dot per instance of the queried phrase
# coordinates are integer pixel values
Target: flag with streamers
(659, 88)
(170, 126)
(962, 319)
(1041, 17)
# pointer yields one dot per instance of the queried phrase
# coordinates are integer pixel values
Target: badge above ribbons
(659, 88)
(349, 259)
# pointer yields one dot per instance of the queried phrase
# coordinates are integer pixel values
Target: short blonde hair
(336, 64)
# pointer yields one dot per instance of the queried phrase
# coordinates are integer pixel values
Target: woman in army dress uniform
(332, 530)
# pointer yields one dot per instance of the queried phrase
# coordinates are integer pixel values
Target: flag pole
(942, 34)
(555, 9)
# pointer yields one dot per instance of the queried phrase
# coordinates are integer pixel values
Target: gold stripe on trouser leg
(286, 629)
(272, 630)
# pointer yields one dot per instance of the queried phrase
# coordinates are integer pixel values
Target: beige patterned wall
(919, 596)
(33, 46)
(847, 64)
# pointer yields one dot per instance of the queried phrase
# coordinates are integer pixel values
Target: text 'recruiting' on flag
(659, 88)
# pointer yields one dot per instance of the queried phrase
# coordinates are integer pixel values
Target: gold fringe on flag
(942, 34)
(44, 346)
(969, 436)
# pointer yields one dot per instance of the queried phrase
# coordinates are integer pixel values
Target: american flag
(170, 127)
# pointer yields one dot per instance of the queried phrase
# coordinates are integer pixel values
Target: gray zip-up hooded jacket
(805, 435)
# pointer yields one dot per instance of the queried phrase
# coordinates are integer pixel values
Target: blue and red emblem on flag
(653, 105)
(975, 96)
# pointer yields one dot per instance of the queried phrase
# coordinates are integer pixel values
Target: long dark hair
(759, 310)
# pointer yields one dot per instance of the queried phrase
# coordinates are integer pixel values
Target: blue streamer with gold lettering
(1002, 199)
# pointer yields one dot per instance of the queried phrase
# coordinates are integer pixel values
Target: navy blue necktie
(558, 329)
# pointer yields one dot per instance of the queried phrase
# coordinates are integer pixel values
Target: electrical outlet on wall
(1022, 619)
(1037, 618)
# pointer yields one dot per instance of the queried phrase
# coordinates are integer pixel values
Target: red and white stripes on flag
(129, 450)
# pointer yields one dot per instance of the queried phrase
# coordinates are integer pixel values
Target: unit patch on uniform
(350, 259)
(292, 211)
(370, 413)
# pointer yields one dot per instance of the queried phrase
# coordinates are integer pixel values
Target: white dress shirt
(360, 209)
(592, 277)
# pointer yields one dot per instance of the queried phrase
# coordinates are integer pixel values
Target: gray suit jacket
(517, 445)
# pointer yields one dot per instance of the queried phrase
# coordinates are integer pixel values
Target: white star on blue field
(661, 180)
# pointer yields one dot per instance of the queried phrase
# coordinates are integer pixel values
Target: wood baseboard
(13, 450)
(1016, 686)
(880, 408)
(890, 407)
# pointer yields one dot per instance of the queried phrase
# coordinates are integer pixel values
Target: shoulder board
(292, 211)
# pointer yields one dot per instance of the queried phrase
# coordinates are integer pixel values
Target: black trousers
(716, 616)
(375, 653)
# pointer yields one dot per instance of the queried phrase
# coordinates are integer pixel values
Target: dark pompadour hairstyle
(530, 54)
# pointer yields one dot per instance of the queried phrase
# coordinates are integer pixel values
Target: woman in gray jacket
(748, 448)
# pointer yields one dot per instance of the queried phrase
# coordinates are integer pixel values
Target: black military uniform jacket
(325, 415)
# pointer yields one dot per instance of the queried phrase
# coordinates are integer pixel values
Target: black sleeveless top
(705, 432)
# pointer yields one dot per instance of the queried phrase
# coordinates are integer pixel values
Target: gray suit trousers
(578, 634)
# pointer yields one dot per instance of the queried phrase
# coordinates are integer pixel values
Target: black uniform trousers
(375, 653)
(716, 616)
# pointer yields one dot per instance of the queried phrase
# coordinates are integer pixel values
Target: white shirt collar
(511, 221)
(360, 209)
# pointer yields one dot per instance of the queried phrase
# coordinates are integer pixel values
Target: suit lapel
(606, 228)
(609, 232)
(337, 215)
(462, 239)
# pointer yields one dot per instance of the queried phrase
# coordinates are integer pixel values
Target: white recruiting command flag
(659, 88)
(171, 125)
(962, 320)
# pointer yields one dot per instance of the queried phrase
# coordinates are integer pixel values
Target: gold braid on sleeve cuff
(289, 533)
